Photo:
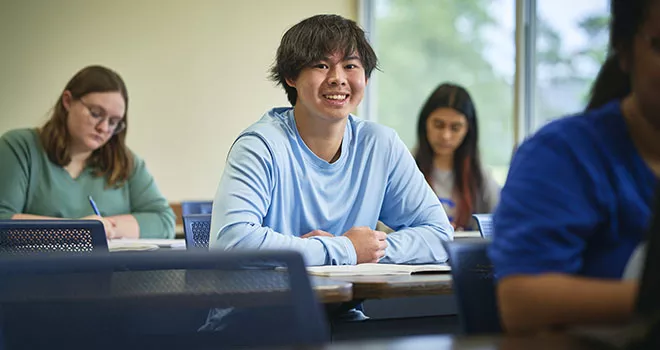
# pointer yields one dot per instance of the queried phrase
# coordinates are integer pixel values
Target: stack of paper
(125, 244)
(467, 234)
(163, 243)
(376, 269)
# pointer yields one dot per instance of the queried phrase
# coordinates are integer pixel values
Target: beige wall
(195, 71)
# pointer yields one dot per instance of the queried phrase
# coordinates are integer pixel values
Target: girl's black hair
(612, 82)
(468, 178)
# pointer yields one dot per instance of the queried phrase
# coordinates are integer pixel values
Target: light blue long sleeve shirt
(274, 189)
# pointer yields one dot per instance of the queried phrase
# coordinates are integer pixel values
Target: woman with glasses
(80, 153)
(578, 197)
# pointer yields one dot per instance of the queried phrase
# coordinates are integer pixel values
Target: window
(422, 43)
(570, 48)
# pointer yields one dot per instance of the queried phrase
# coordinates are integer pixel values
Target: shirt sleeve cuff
(349, 249)
(340, 250)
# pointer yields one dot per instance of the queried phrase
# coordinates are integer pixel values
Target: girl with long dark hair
(448, 155)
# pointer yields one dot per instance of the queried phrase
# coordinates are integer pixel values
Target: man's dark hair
(315, 38)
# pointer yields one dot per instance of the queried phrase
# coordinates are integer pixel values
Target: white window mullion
(366, 17)
(525, 75)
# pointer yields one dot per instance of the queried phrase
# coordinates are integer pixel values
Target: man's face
(331, 88)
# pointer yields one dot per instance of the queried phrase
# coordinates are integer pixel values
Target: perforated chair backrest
(197, 229)
(196, 207)
(485, 223)
(78, 299)
(32, 236)
(474, 285)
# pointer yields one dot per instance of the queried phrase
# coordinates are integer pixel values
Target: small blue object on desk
(94, 207)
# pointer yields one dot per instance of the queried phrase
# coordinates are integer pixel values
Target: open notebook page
(127, 244)
(376, 269)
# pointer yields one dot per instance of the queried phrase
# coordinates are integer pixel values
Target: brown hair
(112, 160)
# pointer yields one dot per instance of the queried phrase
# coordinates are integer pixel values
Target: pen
(94, 207)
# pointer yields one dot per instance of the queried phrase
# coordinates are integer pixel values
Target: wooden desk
(331, 291)
(395, 286)
(178, 231)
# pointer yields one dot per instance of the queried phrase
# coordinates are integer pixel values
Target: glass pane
(570, 47)
(422, 43)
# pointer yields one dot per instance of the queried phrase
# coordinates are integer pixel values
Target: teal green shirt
(31, 184)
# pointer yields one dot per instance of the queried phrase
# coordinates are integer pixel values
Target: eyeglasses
(115, 125)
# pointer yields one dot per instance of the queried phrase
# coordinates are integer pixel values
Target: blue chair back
(474, 286)
(197, 230)
(196, 207)
(37, 236)
(485, 223)
(93, 300)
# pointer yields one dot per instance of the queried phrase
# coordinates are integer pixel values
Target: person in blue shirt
(314, 178)
(577, 200)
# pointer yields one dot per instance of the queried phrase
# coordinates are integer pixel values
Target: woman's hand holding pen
(109, 225)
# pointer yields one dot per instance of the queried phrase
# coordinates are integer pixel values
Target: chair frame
(98, 238)
(304, 303)
(485, 224)
(193, 207)
(472, 273)
(188, 222)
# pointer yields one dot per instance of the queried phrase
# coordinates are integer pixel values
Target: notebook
(118, 245)
(126, 244)
(376, 270)
(467, 234)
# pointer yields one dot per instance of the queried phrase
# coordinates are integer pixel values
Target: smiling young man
(316, 179)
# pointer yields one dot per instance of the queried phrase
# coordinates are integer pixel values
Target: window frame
(524, 74)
